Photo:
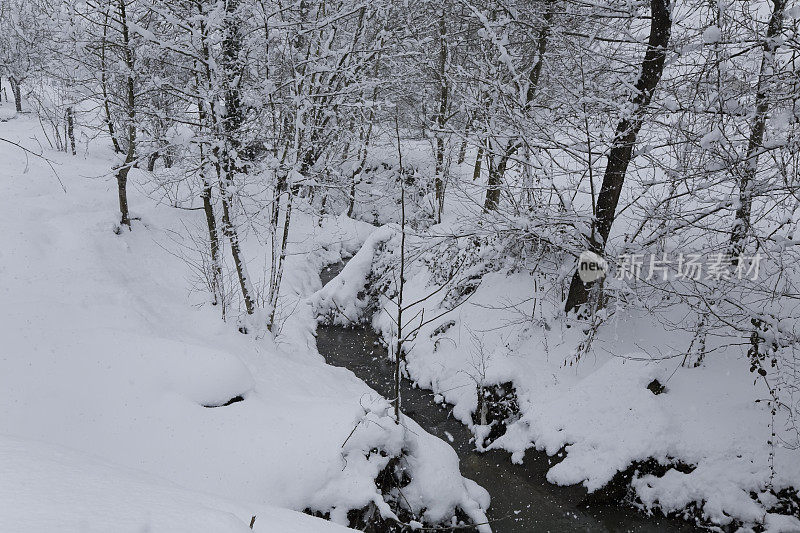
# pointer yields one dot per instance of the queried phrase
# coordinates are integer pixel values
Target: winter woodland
(569, 229)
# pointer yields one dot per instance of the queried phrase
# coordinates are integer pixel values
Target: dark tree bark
(122, 190)
(208, 208)
(462, 151)
(625, 139)
(211, 222)
(476, 170)
(71, 128)
(151, 161)
(441, 117)
(497, 169)
(398, 348)
(15, 88)
(360, 168)
(747, 176)
(236, 251)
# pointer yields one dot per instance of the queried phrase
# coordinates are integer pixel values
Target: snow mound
(432, 488)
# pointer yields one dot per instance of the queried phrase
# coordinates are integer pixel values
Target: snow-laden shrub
(399, 476)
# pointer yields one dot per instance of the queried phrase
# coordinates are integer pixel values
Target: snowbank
(344, 300)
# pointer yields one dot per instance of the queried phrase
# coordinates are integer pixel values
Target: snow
(109, 358)
(432, 463)
(712, 35)
(341, 298)
(710, 139)
(47, 488)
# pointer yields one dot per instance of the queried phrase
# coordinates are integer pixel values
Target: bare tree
(747, 174)
(621, 152)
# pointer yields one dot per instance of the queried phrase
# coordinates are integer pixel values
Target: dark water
(522, 499)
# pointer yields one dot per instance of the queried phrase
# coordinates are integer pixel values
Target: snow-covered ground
(108, 359)
(47, 488)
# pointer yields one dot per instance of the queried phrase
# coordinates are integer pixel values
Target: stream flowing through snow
(522, 499)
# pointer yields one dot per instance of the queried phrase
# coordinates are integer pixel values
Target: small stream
(522, 499)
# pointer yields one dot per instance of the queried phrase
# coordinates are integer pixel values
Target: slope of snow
(108, 353)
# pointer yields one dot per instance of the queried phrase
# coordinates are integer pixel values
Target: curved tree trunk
(625, 139)
(122, 187)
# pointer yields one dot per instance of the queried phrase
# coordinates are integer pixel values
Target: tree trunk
(275, 287)
(351, 205)
(398, 348)
(624, 141)
(104, 87)
(122, 187)
(130, 104)
(231, 124)
(208, 207)
(462, 152)
(497, 171)
(441, 118)
(15, 88)
(71, 129)
(747, 177)
(151, 161)
(213, 237)
(476, 171)
(238, 260)
(233, 71)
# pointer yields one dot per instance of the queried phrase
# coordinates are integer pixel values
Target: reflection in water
(522, 499)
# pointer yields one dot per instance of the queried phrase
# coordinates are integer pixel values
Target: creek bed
(522, 499)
